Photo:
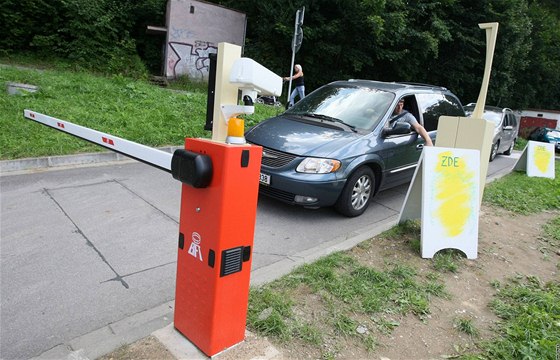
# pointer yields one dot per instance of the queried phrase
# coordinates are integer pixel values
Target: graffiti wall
(194, 29)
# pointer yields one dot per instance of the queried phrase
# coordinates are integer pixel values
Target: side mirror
(400, 128)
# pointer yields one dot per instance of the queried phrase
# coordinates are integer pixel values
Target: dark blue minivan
(337, 146)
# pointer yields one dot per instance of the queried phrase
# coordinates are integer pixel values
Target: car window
(435, 105)
(360, 107)
(512, 120)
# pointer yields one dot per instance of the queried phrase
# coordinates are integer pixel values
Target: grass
(132, 109)
(520, 143)
(349, 296)
(531, 321)
(525, 195)
(465, 325)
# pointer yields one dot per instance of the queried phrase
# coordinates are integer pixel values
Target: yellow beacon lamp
(235, 131)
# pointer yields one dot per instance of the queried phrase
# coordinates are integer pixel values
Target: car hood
(296, 137)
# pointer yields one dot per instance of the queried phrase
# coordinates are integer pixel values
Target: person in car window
(299, 88)
(401, 115)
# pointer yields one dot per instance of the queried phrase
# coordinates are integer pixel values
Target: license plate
(265, 179)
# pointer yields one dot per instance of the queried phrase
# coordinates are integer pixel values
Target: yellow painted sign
(537, 159)
(450, 205)
(453, 184)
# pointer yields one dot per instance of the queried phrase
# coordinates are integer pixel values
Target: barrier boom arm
(188, 167)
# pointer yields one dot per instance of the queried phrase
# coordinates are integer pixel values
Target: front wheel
(357, 192)
(494, 150)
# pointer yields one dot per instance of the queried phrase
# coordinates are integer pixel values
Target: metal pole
(293, 55)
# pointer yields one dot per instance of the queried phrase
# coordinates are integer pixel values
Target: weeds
(447, 260)
(466, 326)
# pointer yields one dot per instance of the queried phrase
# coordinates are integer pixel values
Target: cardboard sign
(450, 200)
(537, 160)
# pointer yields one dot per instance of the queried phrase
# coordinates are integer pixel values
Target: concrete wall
(194, 29)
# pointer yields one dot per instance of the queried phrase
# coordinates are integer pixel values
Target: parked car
(547, 135)
(506, 128)
(334, 147)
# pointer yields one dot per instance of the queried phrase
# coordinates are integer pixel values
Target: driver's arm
(422, 132)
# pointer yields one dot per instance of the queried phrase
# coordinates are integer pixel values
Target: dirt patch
(509, 245)
(148, 348)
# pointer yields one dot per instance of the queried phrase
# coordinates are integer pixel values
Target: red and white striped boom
(146, 154)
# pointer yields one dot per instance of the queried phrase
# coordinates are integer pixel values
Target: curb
(18, 166)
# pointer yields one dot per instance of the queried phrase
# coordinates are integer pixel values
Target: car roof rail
(422, 84)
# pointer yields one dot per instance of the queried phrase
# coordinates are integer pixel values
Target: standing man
(299, 88)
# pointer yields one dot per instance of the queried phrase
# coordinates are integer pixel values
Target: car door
(508, 131)
(401, 152)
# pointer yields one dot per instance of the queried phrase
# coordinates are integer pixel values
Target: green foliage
(525, 195)
(103, 35)
(520, 143)
(430, 41)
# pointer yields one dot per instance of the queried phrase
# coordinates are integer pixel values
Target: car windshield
(357, 107)
(554, 134)
(496, 118)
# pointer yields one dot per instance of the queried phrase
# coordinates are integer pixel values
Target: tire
(494, 150)
(357, 193)
(510, 149)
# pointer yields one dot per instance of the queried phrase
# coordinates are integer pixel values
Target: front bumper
(300, 189)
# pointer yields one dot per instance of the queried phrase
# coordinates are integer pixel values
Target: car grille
(276, 159)
(277, 194)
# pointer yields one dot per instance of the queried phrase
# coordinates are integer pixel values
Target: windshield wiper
(329, 118)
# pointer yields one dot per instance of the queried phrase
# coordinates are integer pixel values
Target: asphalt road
(85, 247)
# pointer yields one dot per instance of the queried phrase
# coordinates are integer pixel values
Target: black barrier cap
(191, 168)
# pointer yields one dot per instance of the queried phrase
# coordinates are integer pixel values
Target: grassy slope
(131, 109)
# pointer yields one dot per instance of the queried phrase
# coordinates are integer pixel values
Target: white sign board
(540, 158)
(450, 200)
(537, 159)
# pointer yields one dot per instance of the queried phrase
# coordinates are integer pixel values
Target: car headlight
(318, 166)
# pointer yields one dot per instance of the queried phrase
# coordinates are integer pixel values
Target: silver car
(505, 131)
